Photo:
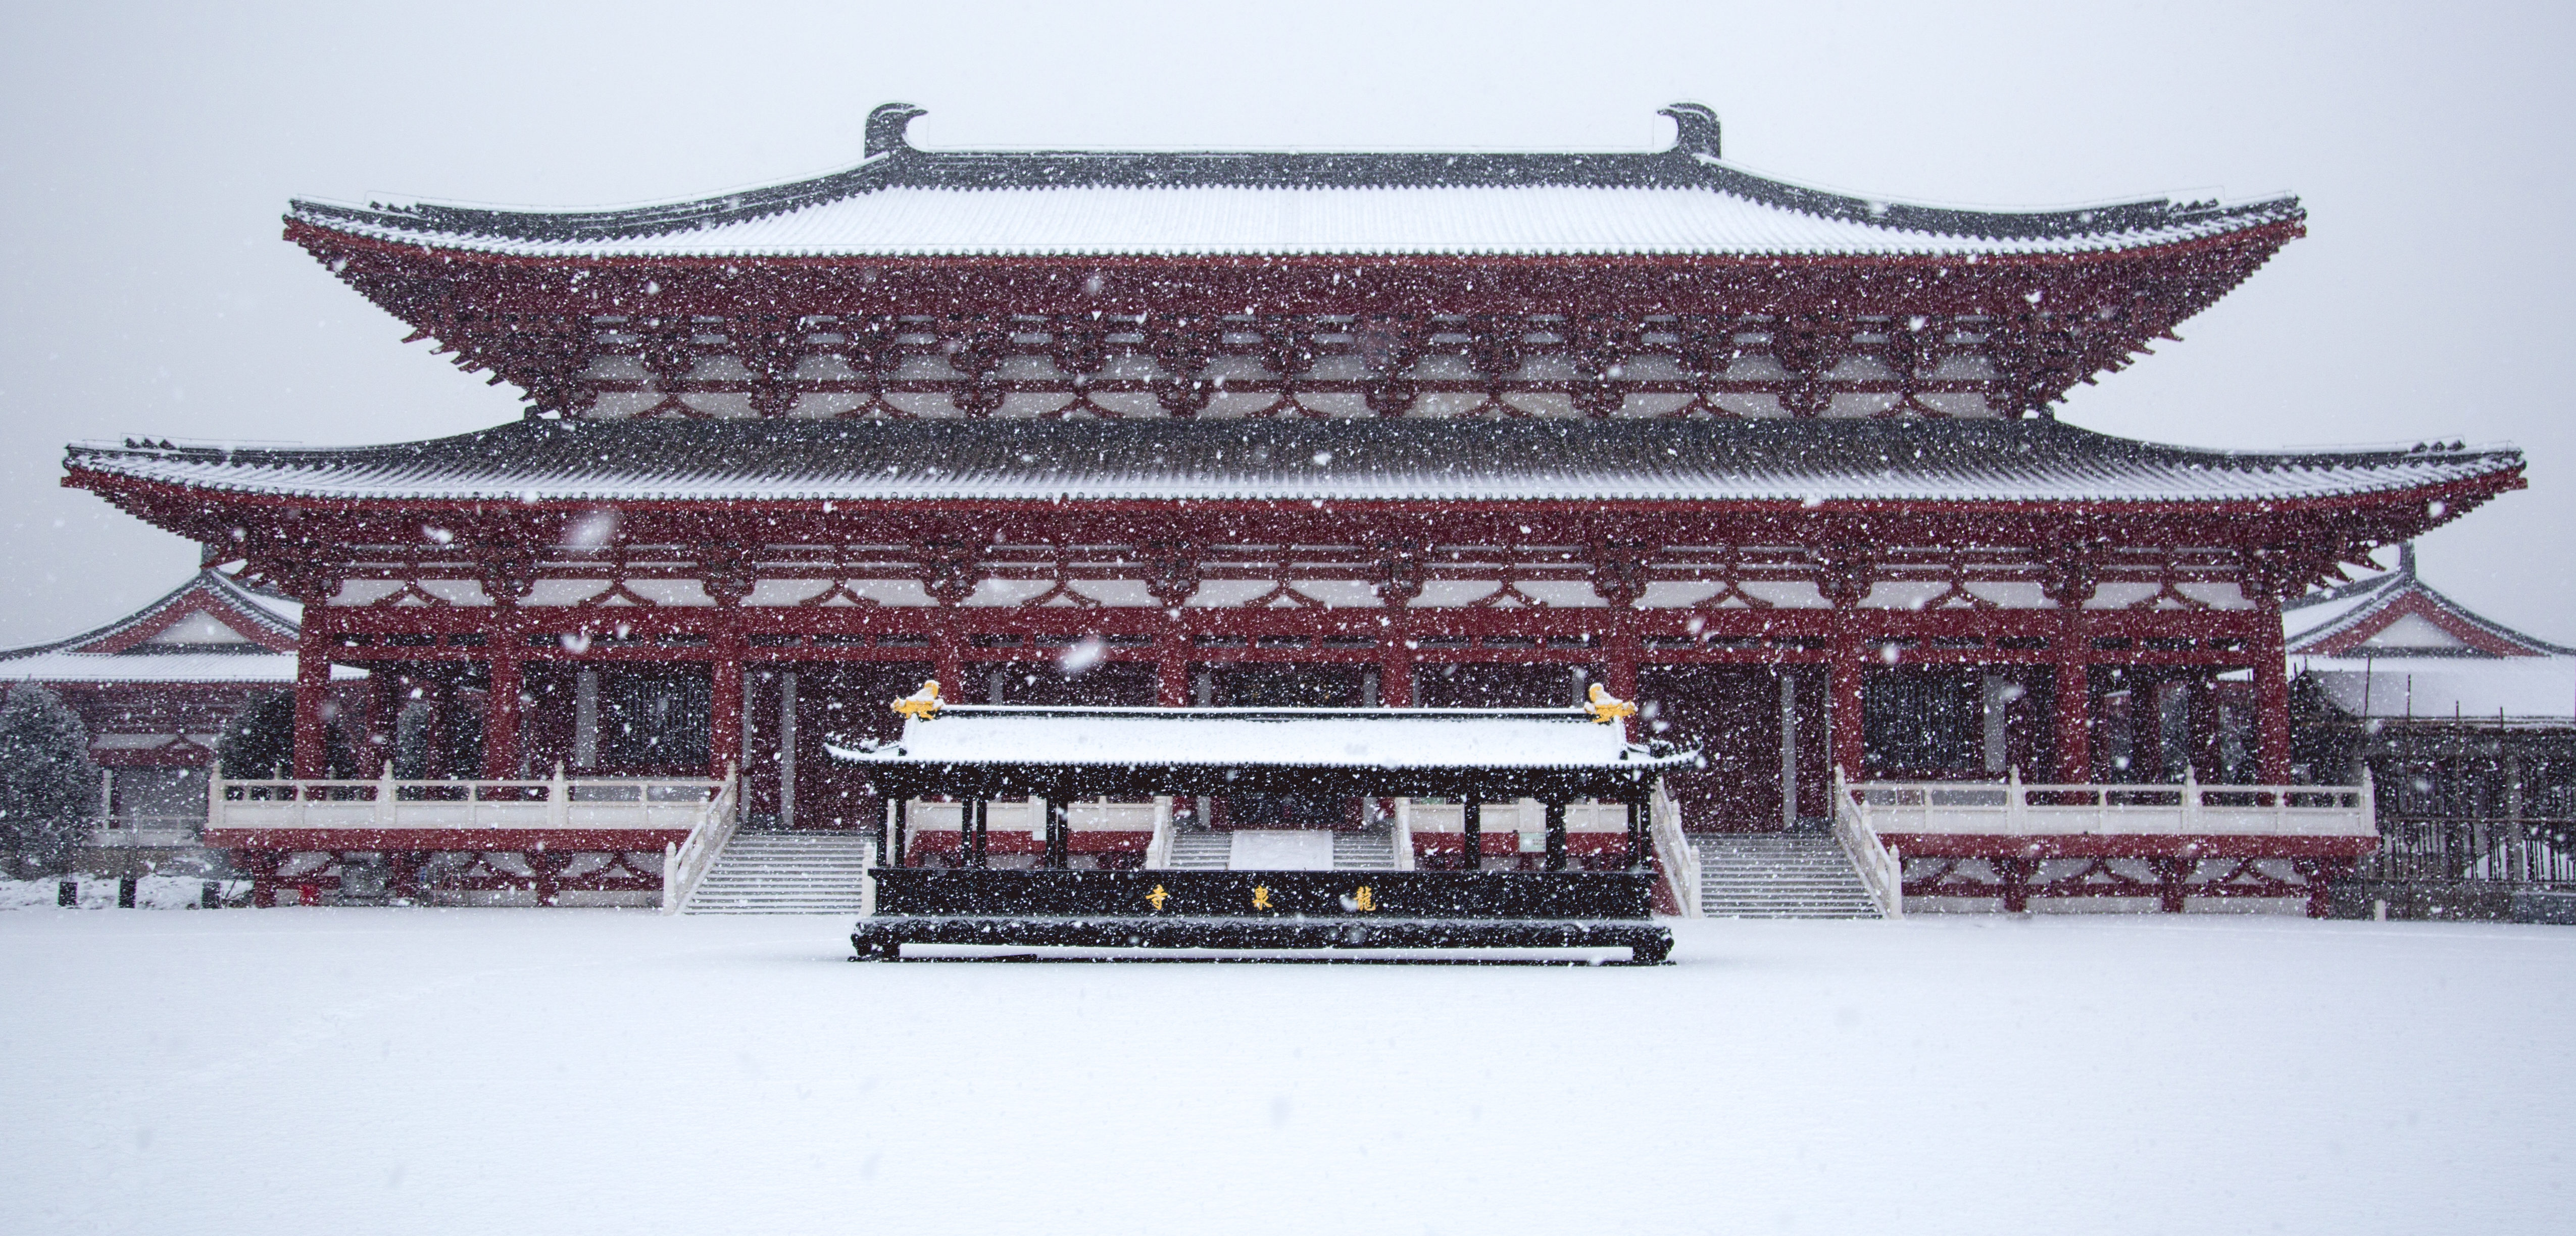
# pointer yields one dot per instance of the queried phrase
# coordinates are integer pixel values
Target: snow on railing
(1158, 852)
(1402, 834)
(1880, 867)
(1674, 854)
(2015, 808)
(390, 804)
(686, 863)
(116, 832)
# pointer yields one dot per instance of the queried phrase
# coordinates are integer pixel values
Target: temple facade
(1311, 430)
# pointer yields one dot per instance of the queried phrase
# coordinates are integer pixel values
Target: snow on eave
(176, 668)
(1469, 222)
(978, 192)
(2442, 689)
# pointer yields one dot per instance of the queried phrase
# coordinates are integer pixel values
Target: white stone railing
(1674, 853)
(118, 832)
(2015, 808)
(388, 804)
(685, 863)
(1158, 852)
(1879, 865)
(1400, 833)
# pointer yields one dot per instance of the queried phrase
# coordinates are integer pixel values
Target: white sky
(149, 150)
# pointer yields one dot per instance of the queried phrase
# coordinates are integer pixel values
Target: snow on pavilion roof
(2397, 615)
(210, 629)
(904, 201)
(1804, 461)
(1287, 737)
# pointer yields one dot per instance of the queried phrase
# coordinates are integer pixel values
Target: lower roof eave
(2476, 488)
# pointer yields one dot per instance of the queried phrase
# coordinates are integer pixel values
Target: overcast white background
(149, 150)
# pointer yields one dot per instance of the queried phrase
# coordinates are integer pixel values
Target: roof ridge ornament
(1605, 707)
(1695, 128)
(886, 124)
(921, 705)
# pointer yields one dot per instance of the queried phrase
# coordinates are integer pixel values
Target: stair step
(785, 873)
(1775, 876)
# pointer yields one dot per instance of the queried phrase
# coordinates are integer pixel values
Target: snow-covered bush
(259, 742)
(48, 787)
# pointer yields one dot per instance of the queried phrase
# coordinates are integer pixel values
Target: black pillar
(1059, 835)
(890, 832)
(1636, 834)
(1556, 834)
(974, 840)
(1474, 810)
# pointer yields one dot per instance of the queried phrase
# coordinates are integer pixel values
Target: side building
(156, 688)
(2467, 729)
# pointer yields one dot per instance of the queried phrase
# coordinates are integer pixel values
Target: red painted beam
(2210, 845)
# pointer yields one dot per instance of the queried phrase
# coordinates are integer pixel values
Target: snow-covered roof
(86, 667)
(905, 201)
(2443, 687)
(1791, 461)
(210, 629)
(1466, 739)
(2396, 614)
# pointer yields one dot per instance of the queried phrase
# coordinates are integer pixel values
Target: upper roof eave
(893, 163)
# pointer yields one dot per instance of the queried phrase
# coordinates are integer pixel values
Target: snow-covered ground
(572, 1071)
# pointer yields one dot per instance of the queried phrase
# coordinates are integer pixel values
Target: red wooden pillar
(546, 868)
(1395, 671)
(724, 723)
(951, 665)
(405, 877)
(2074, 711)
(2172, 876)
(1172, 672)
(2271, 697)
(2016, 873)
(262, 865)
(1849, 745)
(312, 689)
(501, 713)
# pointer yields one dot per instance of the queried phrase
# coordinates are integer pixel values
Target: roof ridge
(2382, 589)
(890, 161)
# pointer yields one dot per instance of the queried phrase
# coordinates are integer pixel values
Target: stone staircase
(1369, 851)
(1201, 849)
(1779, 875)
(802, 872)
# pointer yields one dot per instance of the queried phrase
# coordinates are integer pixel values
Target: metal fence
(2503, 853)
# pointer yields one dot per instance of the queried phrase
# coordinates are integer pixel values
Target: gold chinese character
(1363, 899)
(1260, 896)
(1158, 896)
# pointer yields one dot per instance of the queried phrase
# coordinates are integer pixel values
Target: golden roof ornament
(921, 705)
(1605, 707)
